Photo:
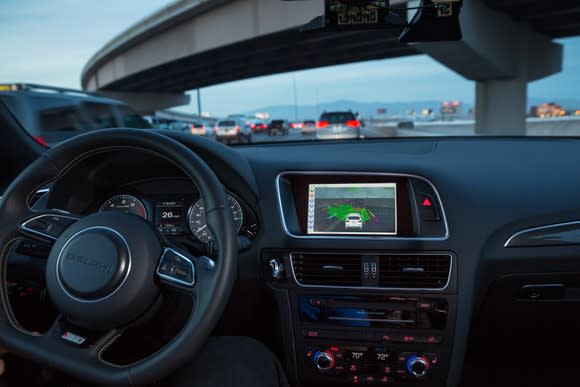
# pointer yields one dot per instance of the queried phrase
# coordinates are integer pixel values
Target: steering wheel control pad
(93, 263)
(99, 272)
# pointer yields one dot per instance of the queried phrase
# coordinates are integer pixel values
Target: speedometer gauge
(125, 203)
(198, 225)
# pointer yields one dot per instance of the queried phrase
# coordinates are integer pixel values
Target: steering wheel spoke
(47, 225)
(91, 342)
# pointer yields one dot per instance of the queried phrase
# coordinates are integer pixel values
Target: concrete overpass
(196, 43)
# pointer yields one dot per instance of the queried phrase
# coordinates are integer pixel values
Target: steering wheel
(106, 271)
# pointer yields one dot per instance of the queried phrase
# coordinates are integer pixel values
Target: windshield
(92, 68)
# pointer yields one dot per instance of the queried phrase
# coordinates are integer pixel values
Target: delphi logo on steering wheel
(91, 262)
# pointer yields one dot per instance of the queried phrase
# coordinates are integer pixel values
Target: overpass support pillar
(502, 56)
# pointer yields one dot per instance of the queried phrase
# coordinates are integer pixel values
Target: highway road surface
(567, 126)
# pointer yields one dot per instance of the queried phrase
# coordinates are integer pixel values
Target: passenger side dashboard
(489, 190)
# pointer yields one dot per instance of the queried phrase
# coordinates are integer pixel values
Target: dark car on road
(278, 127)
(338, 125)
(257, 125)
(53, 115)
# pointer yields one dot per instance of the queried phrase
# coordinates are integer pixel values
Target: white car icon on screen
(353, 220)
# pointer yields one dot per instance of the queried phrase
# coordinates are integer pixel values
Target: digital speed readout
(169, 217)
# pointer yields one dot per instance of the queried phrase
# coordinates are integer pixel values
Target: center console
(362, 316)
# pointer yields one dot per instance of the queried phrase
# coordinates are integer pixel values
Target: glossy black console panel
(375, 352)
(341, 335)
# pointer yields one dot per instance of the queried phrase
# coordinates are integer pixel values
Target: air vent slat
(414, 271)
(328, 269)
(394, 271)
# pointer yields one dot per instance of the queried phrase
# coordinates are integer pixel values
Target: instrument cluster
(181, 215)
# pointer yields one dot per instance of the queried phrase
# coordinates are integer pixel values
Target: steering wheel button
(182, 272)
(176, 268)
(50, 226)
(164, 268)
(38, 224)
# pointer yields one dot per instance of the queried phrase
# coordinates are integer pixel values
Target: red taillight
(353, 123)
(322, 124)
(253, 126)
(41, 141)
(237, 129)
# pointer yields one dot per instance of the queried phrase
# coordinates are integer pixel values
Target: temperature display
(169, 217)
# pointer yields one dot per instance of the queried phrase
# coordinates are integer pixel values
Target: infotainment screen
(352, 209)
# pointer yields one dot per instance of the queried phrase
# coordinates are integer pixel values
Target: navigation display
(350, 209)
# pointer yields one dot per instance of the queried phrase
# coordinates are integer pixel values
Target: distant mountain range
(370, 109)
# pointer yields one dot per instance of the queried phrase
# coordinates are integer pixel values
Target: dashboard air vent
(414, 271)
(327, 269)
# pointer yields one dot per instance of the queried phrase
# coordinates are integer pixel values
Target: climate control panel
(370, 365)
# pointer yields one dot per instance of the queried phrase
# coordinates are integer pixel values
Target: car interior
(428, 261)
(481, 278)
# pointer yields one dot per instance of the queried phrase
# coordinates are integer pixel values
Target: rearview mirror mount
(433, 20)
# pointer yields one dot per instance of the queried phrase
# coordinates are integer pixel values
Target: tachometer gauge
(125, 203)
(198, 225)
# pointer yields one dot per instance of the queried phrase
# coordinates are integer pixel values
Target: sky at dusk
(49, 42)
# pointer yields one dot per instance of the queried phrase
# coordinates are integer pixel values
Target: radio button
(386, 380)
(431, 339)
(310, 333)
(408, 339)
(434, 339)
(354, 379)
(433, 359)
(426, 305)
(369, 379)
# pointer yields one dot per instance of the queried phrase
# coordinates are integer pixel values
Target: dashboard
(410, 262)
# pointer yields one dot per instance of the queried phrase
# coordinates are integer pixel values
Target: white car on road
(353, 220)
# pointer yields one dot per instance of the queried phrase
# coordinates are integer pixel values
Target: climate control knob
(418, 366)
(323, 360)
